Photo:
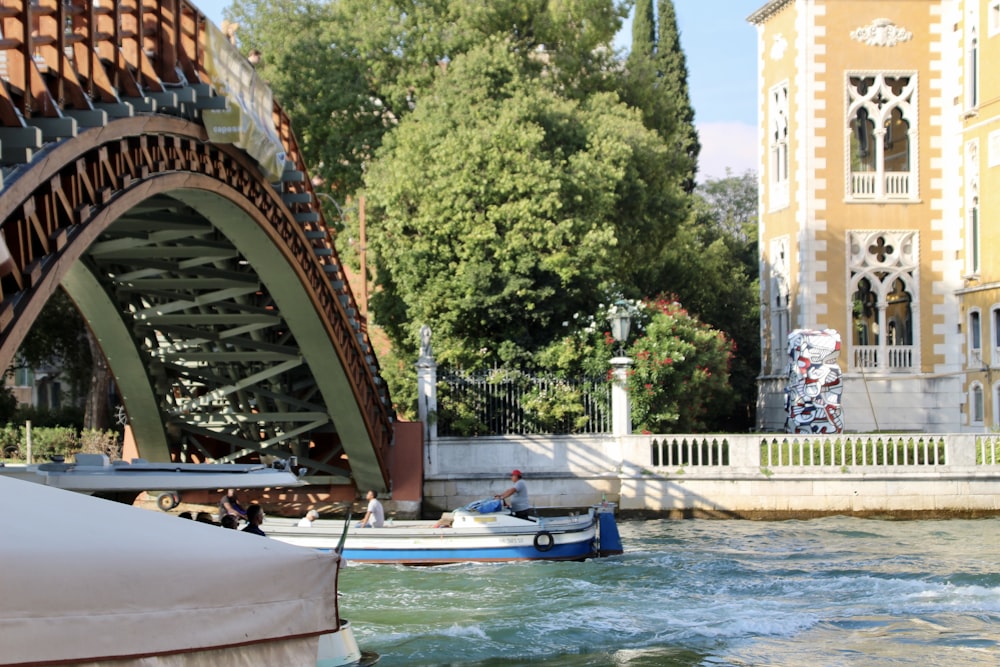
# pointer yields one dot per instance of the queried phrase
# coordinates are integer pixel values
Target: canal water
(818, 593)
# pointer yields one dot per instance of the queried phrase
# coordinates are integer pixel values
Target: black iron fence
(502, 402)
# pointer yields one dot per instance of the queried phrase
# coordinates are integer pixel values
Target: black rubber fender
(544, 541)
(167, 501)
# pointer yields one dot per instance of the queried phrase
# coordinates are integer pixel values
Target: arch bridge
(147, 171)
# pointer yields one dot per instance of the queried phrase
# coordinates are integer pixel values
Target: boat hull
(472, 537)
(340, 649)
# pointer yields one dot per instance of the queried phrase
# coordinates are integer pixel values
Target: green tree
(515, 171)
(348, 71)
(655, 81)
(407, 44)
(500, 209)
(643, 31)
(672, 66)
(58, 338)
(309, 58)
(712, 267)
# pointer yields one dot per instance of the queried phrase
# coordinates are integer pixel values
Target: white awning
(89, 579)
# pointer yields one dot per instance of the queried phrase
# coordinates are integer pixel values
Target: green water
(834, 591)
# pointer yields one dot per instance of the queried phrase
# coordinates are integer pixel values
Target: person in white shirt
(516, 497)
(307, 520)
(375, 516)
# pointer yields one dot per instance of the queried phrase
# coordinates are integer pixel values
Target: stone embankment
(762, 476)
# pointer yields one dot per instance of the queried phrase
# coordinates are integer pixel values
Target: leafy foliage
(8, 404)
(655, 82)
(58, 339)
(516, 172)
(50, 441)
(679, 375)
(61, 342)
(517, 208)
(712, 266)
(310, 61)
(680, 371)
(69, 416)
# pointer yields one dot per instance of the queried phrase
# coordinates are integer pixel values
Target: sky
(721, 52)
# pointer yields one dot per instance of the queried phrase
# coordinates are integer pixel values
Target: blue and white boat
(463, 535)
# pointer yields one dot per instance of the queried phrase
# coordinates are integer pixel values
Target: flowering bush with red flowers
(679, 374)
(680, 369)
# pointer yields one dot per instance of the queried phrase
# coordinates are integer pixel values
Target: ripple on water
(836, 591)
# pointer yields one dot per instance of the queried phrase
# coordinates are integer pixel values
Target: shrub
(101, 442)
(10, 442)
(49, 442)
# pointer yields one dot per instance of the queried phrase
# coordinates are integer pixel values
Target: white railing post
(621, 407)
(960, 449)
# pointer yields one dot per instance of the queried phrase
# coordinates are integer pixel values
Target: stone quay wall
(752, 476)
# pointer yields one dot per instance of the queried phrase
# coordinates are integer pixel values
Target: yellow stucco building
(880, 205)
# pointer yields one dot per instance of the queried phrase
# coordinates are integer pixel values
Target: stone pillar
(621, 406)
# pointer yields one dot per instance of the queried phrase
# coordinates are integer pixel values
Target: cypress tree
(672, 70)
(655, 82)
(643, 31)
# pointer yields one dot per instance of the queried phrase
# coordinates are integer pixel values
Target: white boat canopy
(85, 580)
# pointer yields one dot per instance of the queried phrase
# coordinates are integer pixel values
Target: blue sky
(721, 51)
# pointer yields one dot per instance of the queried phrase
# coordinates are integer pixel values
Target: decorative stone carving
(779, 47)
(878, 250)
(972, 170)
(881, 32)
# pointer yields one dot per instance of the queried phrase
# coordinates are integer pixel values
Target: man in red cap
(516, 497)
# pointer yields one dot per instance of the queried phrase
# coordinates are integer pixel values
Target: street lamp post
(621, 407)
(621, 322)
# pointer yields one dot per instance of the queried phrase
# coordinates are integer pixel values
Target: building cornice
(983, 287)
(767, 11)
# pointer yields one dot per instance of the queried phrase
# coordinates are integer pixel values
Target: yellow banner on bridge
(248, 119)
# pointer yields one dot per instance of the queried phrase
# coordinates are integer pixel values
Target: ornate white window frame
(977, 404)
(974, 338)
(994, 343)
(972, 60)
(995, 394)
(878, 102)
(885, 259)
(973, 223)
(778, 146)
(779, 306)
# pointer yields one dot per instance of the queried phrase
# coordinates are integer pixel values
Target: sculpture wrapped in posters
(812, 398)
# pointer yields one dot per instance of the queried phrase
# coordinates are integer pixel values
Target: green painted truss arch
(210, 281)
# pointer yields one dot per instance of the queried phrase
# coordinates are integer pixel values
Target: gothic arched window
(882, 122)
(883, 300)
